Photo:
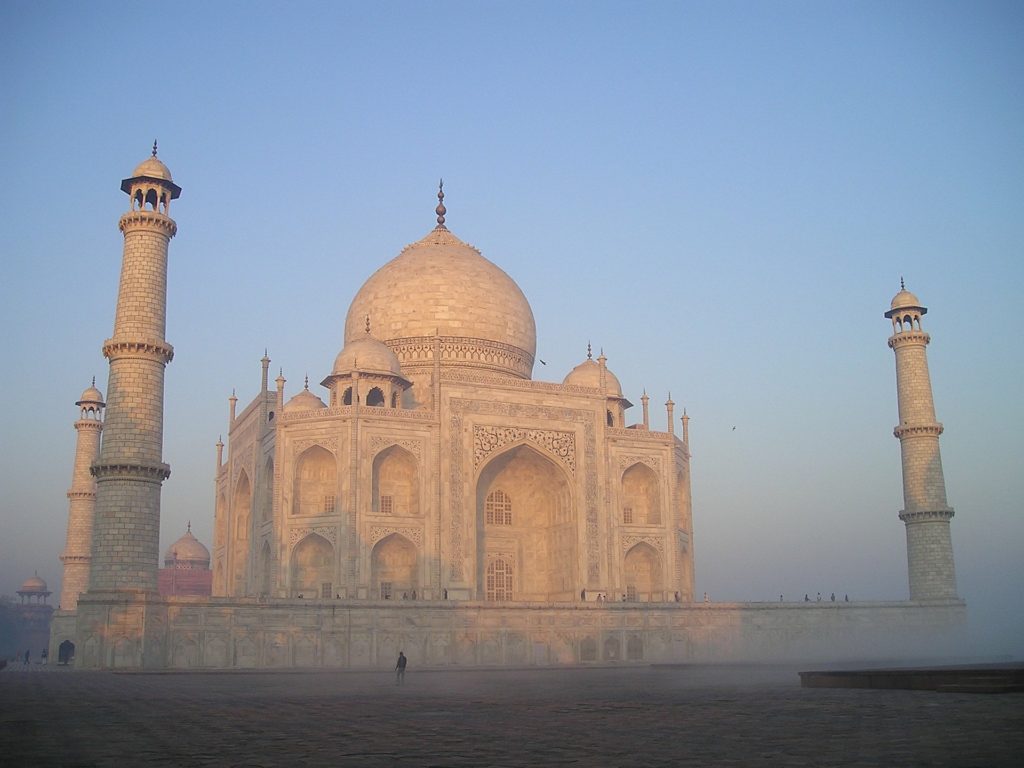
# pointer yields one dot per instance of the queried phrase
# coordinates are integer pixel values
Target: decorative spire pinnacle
(307, 382)
(902, 286)
(94, 381)
(367, 324)
(590, 352)
(440, 210)
(154, 147)
(188, 527)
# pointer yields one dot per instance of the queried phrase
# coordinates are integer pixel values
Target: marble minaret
(130, 470)
(925, 513)
(82, 499)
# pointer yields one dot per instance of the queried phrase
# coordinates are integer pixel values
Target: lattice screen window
(499, 581)
(387, 505)
(631, 593)
(329, 502)
(325, 590)
(385, 590)
(627, 515)
(498, 508)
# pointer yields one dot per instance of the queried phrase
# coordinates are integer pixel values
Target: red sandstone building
(186, 568)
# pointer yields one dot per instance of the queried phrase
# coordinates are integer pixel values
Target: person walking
(400, 668)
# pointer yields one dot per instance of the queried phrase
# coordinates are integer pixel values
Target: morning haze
(722, 200)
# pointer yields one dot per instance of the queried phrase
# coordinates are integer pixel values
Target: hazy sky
(722, 196)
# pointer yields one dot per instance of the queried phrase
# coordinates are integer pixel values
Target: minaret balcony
(926, 515)
(918, 430)
(149, 349)
(148, 220)
(909, 338)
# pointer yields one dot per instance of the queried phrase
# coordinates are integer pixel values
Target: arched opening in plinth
(65, 652)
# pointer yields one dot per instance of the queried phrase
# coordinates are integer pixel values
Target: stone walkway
(639, 716)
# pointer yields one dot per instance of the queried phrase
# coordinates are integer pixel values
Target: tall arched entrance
(312, 568)
(241, 511)
(393, 570)
(266, 570)
(525, 519)
(642, 573)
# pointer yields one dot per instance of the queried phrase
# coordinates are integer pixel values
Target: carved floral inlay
(561, 445)
(651, 461)
(631, 540)
(329, 443)
(380, 442)
(378, 532)
(328, 532)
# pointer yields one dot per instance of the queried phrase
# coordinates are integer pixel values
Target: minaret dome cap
(152, 169)
(91, 395)
(905, 300)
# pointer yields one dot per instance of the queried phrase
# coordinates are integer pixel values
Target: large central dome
(442, 286)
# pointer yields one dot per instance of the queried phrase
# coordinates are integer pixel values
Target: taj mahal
(436, 497)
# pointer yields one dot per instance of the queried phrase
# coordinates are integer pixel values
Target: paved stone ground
(639, 716)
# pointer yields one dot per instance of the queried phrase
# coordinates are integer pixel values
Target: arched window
(375, 397)
(395, 482)
(499, 580)
(611, 419)
(498, 508)
(394, 399)
(316, 482)
(641, 496)
(346, 399)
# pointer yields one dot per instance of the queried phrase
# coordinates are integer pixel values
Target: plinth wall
(153, 632)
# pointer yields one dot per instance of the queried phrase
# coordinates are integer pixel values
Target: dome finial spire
(590, 352)
(188, 527)
(367, 324)
(440, 210)
(902, 286)
(154, 147)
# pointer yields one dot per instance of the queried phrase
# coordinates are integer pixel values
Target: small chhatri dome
(304, 401)
(91, 395)
(366, 355)
(152, 168)
(588, 374)
(187, 552)
(33, 585)
(903, 301)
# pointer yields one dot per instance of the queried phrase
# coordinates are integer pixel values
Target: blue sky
(722, 196)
